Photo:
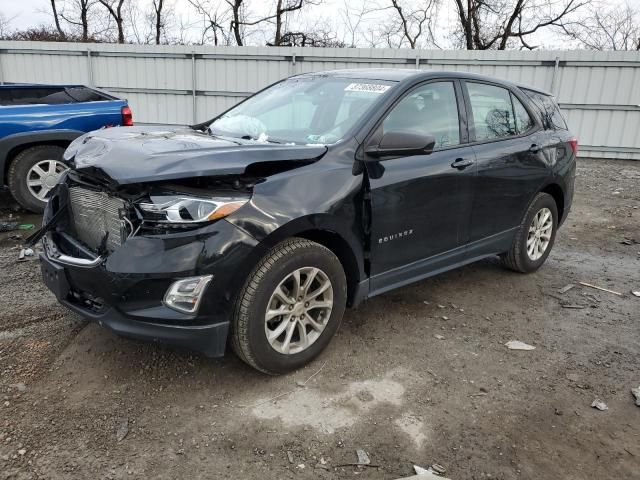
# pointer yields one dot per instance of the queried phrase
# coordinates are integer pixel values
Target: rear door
(507, 142)
(421, 203)
(557, 143)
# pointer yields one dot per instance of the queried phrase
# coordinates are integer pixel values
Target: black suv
(261, 225)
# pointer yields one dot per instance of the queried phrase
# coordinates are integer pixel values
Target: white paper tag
(367, 87)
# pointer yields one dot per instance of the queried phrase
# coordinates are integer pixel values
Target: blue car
(37, 123)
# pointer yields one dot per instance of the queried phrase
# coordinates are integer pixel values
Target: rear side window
(492, 111)
(47, 95)
(549, 111)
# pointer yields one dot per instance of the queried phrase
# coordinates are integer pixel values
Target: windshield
(303, 110)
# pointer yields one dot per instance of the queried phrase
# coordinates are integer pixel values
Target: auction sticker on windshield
(366, 87)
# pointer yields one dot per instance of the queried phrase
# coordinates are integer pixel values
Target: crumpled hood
(144, 154)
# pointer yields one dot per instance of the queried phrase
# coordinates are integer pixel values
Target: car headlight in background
(184, 209)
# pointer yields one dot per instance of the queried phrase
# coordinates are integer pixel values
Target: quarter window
(524, 122)
(549, 110)
(431, 109)
(492, 110)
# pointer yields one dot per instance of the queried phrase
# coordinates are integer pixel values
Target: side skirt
(425, 268)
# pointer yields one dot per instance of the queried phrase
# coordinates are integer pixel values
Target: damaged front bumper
(124, 290)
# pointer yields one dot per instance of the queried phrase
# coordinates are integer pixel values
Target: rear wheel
(290, 307)
(33, 173)
(535, 236)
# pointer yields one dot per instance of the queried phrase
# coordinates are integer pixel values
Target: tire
(520, 258)
(249, 327)
(23, 167)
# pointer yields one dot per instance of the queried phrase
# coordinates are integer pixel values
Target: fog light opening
(185, 295)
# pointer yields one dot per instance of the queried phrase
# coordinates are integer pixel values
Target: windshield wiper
(223, 137)
(277, 141)
(268, 139)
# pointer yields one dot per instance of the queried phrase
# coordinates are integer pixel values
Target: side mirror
(402, 144)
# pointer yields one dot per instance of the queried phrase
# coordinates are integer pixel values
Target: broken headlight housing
(183, 209)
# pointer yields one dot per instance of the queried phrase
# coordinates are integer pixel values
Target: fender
(8, 143)
(331, 231)
(321, 222)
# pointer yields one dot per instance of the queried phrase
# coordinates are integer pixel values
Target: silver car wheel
(298, 310)
(43, 176)
(539, 234)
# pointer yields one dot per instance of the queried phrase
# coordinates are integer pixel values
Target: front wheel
(290, 307)
(535, 236)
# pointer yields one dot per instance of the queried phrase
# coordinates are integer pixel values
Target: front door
(421, 204)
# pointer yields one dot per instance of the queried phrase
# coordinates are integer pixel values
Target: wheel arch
(341, 249)
(326, 231)
(13, 145)
(556, 191)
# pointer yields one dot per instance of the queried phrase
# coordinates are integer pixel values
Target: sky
(29, 13)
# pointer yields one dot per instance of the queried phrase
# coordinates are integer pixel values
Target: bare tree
(283, 8)
(319, 34)
(216, 21)
(114, 7)
(352, 18)
(159, 23)
(237, 21)
(414, 22)
(140, 24)
(493, 24)
(403, 23)
(235, 15)
(77, 13)
(56, 18)
(181, 38)
(602, 28)
(4, 26)
(318, 38)
(42, 33)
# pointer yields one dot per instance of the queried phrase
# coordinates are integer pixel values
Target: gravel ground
(415, 376)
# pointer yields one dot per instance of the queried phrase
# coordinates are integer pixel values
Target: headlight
(182, 209)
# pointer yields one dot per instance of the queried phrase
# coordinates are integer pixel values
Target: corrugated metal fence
(598, 91)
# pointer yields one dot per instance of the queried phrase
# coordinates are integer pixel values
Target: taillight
(574, 145)
(127, 116)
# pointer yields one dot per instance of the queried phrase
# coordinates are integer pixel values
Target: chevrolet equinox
(260, 226)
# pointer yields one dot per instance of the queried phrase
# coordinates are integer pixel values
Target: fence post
(554, 77)
(1, 68)
(193, 86)
(90, 68)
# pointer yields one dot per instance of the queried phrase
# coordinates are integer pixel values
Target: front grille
(96, 214)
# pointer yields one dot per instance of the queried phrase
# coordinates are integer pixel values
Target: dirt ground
(415, 376)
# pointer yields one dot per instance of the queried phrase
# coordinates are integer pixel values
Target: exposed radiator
(94, 215)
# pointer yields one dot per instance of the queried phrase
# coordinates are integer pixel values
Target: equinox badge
(395, 236)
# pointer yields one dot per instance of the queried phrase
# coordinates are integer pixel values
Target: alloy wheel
(539, 234)
(298, 310)
(43, 176)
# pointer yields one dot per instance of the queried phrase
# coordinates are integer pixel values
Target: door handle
(462, 163)
(534, 148)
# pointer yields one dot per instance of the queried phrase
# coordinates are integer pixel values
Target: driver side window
(431, 109)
